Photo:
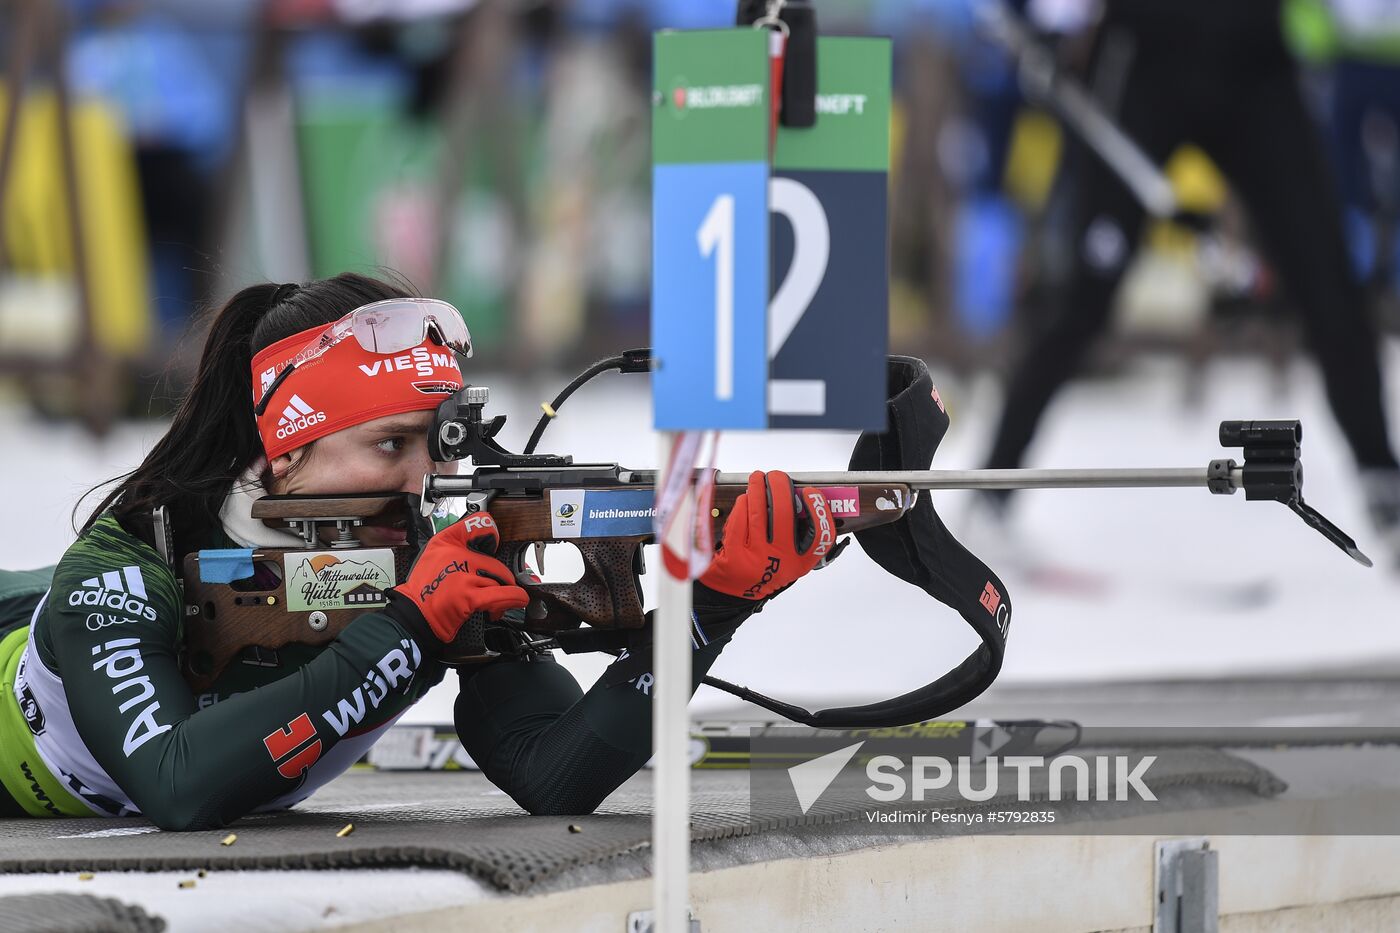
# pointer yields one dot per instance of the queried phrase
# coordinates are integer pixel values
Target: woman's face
(386, 454)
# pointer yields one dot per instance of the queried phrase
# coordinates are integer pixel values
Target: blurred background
(496, 153)
(156, 155)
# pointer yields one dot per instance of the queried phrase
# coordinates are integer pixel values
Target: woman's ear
(282, 464)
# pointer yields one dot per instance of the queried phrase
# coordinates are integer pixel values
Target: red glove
(456, 576)
(766, 544)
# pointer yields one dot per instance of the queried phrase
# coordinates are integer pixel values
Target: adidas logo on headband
(296, 416)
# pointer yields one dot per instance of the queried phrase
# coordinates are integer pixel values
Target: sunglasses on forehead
(383, 327)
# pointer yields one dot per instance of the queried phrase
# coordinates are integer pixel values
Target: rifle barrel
(438, 486)
(1008, 479)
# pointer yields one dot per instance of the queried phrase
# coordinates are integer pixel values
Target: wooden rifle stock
(228, 622)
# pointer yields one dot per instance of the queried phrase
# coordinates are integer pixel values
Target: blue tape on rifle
(225, 565)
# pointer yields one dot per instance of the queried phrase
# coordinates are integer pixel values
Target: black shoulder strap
(920, 549)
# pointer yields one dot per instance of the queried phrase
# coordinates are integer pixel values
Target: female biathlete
(299, 390)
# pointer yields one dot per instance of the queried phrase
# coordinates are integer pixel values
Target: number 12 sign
(730, 235)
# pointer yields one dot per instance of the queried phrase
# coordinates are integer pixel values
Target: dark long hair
(214, 437)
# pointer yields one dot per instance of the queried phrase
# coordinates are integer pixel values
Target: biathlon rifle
(525, 493)
(604, 509)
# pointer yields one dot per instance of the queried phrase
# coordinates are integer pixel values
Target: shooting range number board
(770, 266)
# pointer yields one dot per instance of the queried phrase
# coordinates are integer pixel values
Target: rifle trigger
(539, 557)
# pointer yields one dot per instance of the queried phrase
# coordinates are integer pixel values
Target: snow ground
(266, 901)
(1175, 582)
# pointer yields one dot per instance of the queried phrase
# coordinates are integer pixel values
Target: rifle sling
(919, 549)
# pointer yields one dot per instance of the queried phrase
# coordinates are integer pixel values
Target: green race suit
(117, 730)
(102, 722)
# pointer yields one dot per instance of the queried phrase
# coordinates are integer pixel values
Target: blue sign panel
(710, 295)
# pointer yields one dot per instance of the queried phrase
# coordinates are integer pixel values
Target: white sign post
(746, 212)
(710, 276)
(670, 730)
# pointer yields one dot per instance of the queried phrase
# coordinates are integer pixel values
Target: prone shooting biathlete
(327, 387)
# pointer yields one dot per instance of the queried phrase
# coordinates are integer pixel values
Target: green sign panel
(710, 98)
(853, 110)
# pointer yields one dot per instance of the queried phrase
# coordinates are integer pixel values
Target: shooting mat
(457, 820)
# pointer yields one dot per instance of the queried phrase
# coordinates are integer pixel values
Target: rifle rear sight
(460, 431)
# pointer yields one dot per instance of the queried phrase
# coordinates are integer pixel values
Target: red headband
(345, 386)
